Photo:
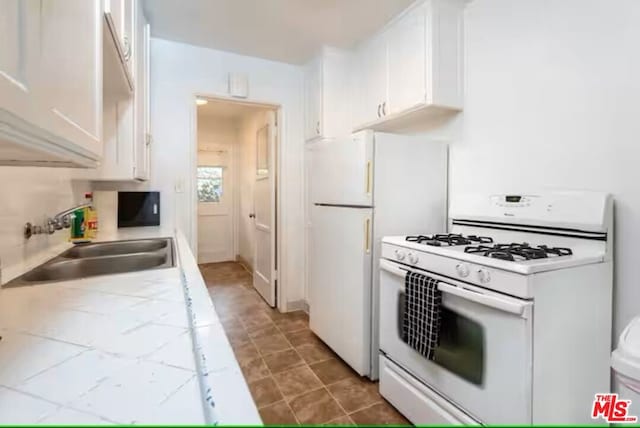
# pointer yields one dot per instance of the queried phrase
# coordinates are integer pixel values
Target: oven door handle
(495, 302)
(483, 299)
(391, 267)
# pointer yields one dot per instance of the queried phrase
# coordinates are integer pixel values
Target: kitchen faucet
(57, 222)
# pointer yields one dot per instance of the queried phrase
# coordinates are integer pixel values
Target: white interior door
(264, 215)
(215, 205)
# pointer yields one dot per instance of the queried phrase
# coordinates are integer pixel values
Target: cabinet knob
(127, 48)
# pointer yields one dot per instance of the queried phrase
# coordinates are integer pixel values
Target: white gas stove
(526, 283)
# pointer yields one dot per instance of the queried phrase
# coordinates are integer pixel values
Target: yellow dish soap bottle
(84, 222)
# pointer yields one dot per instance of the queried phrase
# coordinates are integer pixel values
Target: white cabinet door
(126, 121)
(130, 29)
(406, 60)
(327, 93)
(313, 99)
(122, 14)
(373, 75)
(71, 67)
(412, 70)
(143, 136)
(18, 54)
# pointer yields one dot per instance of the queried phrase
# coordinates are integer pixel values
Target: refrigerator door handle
(367, 236)
(368, 184)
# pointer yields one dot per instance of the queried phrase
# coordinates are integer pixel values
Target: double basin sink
(103, 258)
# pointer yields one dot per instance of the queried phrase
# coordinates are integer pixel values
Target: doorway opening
(236, 185)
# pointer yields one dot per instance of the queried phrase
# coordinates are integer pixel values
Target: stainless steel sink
(105, 258)
(114, 248)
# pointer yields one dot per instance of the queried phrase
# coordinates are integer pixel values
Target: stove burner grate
(514, 251)
(448, 239)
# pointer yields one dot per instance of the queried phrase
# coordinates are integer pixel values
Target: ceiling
(282, 30)
(226, 110)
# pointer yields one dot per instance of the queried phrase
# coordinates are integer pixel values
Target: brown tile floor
(293, 377)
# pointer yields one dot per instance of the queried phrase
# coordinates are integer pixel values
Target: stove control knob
(413, 258)
(400, 255)
(462, 269)
(484, 276)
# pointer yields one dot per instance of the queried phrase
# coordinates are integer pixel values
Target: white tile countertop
(144, 347)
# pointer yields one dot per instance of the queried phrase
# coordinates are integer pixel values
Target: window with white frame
(210, 183)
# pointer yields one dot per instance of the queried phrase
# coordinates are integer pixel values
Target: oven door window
(461, 349)
(462, 342)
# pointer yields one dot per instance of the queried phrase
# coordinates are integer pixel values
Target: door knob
(252, 215)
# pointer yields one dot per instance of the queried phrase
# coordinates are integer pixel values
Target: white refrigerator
(361, 189)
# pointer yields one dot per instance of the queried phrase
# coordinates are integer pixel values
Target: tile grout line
(336, 400)
(328, 392)
(271, 374)
(308, 365)
(284, 397)
(304, 363)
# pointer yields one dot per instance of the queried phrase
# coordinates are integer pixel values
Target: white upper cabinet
(412, 68)
(71, 64)
(327, 95)
(313, 98)
(19, 37)
(119, 29)
(50, 82)
(120, 15)
(142, 167)
(406, 53)
(372, 76)
(126, 118)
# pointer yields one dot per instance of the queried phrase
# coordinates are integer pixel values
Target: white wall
(552, 93)
(221, 131)
(31, 194)
(178, 73)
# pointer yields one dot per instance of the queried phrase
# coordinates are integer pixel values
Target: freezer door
(340, 282)
(342, 170)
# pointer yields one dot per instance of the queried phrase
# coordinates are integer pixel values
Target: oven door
(484, 361)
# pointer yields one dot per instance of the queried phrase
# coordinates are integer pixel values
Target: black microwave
(137, 209)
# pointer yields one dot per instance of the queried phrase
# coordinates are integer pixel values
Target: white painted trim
(281, 265)
(298, 305)
(245, 264)
(235, 160)
(281, 302)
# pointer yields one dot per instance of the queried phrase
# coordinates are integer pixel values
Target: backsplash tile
(31, 194)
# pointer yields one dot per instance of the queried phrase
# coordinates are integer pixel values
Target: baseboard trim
(245, 264)
(298, 305)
